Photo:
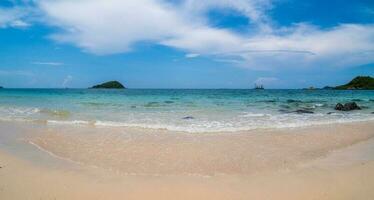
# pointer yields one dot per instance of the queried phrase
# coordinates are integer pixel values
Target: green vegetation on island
(109, 85)
(358, 83)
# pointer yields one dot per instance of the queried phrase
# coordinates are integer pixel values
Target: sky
(185, 43)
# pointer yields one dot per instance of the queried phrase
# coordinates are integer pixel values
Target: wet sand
(321, 162)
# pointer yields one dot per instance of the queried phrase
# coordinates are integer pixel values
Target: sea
(187, 110)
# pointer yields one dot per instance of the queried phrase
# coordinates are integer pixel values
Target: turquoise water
(183, 110)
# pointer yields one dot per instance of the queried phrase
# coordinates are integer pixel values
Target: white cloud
(305, 45)
(13, 17)
(19, 23)
(192, 55)
(115, 26)
(48, 63)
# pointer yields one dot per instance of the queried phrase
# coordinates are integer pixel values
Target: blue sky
(185, 43)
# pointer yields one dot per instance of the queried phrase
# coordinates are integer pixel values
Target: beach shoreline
(224, 166)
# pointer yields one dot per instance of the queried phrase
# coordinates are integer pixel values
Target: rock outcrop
(347, 107)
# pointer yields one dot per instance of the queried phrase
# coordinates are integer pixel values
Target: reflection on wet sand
(150, 152)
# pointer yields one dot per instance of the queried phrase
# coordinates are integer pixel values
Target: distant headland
(358, 83)
(109, 85)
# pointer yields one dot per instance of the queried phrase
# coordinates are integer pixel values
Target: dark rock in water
(339, 106)
(300, 111)
(372, 112)
(1, 87)
(329, 113)
(188, 117)
(133, 106)
(109, 85)
(168, 102)
(293, 101)
(347, 107)
(352, 106)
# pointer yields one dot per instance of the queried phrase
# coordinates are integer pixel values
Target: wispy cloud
(14, 17)
(19, 23)
(192, 55)
(228, 60)
(48, 63)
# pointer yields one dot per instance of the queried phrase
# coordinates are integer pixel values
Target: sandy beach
(56, 162)
(186, 100)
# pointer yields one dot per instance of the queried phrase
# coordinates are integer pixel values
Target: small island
(109, 85)
(358, 83)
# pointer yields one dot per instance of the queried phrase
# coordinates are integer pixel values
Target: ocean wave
(73, 122)
(212, 127)
(272, 121)
(254, 115)
(173, 121)
(55, 113)
(12, 111)
(31, 111)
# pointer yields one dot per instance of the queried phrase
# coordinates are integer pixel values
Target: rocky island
(358, 83)
(109, 85)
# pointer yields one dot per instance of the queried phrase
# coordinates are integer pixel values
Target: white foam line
(197, 129)
(54, 155)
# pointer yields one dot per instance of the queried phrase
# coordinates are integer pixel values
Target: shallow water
(183, 110)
